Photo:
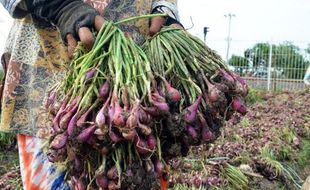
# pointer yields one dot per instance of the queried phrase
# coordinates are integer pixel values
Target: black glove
(68, 15)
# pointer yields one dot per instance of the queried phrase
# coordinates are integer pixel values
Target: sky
(254, 21)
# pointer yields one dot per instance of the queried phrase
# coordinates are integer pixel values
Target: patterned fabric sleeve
(169, 7)
(16, 8)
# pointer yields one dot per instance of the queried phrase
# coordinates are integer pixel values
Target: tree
(240, 63)
(286, 58)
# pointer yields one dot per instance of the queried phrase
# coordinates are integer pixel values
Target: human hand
(75, 21)
(158, 22)
(84, 35)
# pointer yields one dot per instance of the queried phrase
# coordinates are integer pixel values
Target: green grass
(6, 139)
(254, 96)
(245, 123)
(280, 169)
(186, 187)
(235, 178)
(304, 154)
(269, 158)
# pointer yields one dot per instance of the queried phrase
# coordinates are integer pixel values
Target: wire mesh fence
(271, 65)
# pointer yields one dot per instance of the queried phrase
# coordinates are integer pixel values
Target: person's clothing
(34, 55)
(36, 171)
(307, 77)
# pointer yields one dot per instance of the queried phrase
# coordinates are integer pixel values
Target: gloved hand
(74, 18)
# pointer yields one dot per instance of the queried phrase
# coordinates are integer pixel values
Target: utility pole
(229, 16)
(205, 31)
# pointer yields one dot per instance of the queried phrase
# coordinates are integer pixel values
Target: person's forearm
(16, 8)
(170, 8)
(166, 6)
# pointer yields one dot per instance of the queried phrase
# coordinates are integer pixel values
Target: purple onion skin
(242, 110)
(151, 142)
(115, 137)
(240, 80)
(172, 94)
(59, 141)
(90, 74)
(100, 118)
(158, 109)
(102, 182)
(77, 165)
(146, 130)
(213, 91)
(156, 97)
(142, 146)
(112, 173)
(206, 134)
(113, 185)
(64, 121)
(238, 105)
(191, 111)
(129, 135)
(153, 111)
(55, 107)
(162, 107)
(59, 114)
(81, 121)
(111, 111)
(51, 99)
(144, 117)
(79, 185)
(149, 166)
(104, 90)
(132, 121)
(72, 124)
(118, 117)
(191, 131)
(86, 133)
(159, 167)
(227, 76)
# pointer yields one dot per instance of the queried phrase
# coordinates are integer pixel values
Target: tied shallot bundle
(121, 111)
(201, 91)
(102, 130)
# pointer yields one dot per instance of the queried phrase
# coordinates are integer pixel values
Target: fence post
(269, 67)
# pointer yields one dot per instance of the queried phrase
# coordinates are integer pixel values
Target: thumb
(156, 24)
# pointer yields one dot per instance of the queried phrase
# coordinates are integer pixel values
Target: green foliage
(286, 57)
(285, 152)
(254, 96)
(235, 178)
(245, 123)
(186, 187)
(269, 158)
(6, 139)
(1, 73)
(304, 154)
(239, 62)
(287, 134)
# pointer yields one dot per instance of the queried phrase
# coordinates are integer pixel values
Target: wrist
(169, 9)
(166, 7)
